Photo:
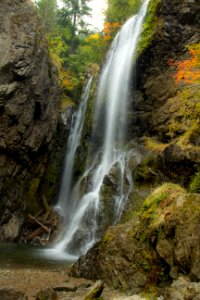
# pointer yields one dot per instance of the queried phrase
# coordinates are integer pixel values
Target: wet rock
(47, 294)
(12, 294)
(84, 268)
(133, 297)
(11, 230)
(95, 291)
(65, 287)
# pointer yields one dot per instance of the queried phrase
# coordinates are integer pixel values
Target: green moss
(195, 183)
(66, 102)
(185, 113)
(154, 199)
(163, 196)
(108, 236)
(134, 206)
(150, 27)
(154, 145)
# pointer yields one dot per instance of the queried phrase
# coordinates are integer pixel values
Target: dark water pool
(26, 256)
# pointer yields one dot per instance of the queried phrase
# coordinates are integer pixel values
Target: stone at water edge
(65, 287)
(95, 291)
(133, 297)
(48, 294)
(12, 294)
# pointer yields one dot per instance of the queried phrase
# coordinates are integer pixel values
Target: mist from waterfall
(83, 227)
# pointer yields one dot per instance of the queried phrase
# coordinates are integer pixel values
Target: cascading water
(72, 145)
(84, 225)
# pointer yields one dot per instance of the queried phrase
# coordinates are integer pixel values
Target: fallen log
(33, 234)
(46, 229)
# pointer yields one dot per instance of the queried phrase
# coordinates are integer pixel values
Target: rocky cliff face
(163, 109)
(29, 113)
(177, 27)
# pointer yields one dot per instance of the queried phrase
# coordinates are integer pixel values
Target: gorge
(131, 175)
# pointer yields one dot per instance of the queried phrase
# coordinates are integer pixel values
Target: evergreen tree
(119, 10)
(47, 10)
(76, 10)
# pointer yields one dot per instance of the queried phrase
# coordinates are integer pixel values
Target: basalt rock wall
(177, 26)
(164, 109)
(29, 113)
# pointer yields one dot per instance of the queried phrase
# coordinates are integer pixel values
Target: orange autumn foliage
(188, 71)
(66, 79)
(110, 29)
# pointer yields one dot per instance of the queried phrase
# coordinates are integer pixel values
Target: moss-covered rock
(159, 243)
(195, 183)
(151, 26)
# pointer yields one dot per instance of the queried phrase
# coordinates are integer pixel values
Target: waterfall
(76, 128)
(85, 224)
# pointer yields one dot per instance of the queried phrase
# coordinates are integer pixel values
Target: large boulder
(159, 243)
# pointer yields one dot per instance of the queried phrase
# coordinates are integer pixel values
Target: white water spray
(82, 229)
(72, 145)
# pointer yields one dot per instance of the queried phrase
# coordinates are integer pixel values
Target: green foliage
(120, 10)
(195, 183)
(150, 26)
(47, 12)
(73, 48)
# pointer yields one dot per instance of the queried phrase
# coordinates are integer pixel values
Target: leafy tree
(110, 29)
(120, 10)
(73, 47)
(188, 70)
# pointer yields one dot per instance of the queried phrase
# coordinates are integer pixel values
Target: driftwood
(42, 226)
(45, 228)
(33, 234)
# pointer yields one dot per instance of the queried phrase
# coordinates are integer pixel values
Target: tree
(188, 70)
(75, 11)
(47, 10)
(73, 47)
(110, 29)
(120, 10)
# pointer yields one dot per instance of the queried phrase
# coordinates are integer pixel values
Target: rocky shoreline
(30, 284)
(33, 284)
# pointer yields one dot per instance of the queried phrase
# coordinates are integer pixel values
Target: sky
(97, 17)
(97, 13)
